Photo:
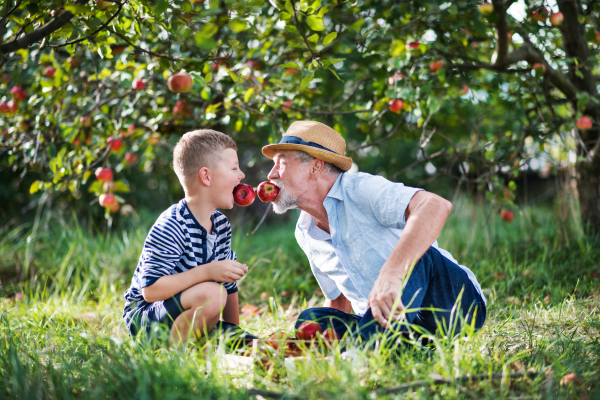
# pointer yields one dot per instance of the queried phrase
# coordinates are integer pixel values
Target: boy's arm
(231, 312)
(169, 285)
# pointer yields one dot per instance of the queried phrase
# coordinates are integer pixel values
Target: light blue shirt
(366, 218)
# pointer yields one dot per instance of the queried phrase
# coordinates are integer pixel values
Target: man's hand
(384, 294)
(227, 270)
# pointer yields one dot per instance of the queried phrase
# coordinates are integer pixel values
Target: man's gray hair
(328, 168)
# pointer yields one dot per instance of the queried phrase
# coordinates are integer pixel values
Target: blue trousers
(435, 283)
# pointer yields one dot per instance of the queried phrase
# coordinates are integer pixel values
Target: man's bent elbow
(447, 206)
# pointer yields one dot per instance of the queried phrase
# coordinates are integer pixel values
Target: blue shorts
(162, 312)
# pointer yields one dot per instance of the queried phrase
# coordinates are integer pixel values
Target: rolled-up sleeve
(387, 201)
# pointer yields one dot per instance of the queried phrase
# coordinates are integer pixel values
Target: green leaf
(291, 28)
(160, 6)
(204, 41)
(315, 23)
(237, 25)
(329, 38)
(306, 80)
(284, 15)
(289, 65)
(79, 10)
(35, 186)
(209, 77)
(314, 38)
(248, 94)
(234, 76)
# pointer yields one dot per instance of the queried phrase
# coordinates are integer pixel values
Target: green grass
(66, 338)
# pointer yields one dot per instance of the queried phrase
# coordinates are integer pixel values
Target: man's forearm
(423, 227)
(169, 285)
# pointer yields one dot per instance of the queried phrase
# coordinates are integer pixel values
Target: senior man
(364, 236)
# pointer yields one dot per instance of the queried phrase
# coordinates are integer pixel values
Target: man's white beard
(284, 200)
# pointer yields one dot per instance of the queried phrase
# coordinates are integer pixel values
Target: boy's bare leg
(203, 304)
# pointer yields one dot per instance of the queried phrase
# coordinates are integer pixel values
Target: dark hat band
(296, 140)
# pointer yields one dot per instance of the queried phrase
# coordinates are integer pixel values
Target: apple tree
(480, 90)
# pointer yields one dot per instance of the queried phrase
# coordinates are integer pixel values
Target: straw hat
(316, 139)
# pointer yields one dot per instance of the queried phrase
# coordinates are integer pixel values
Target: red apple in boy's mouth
(243, 195)
(267, 191)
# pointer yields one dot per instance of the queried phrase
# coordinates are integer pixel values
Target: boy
(187, 272)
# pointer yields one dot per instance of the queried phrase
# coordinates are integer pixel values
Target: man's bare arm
(341, 303)
(425, 217)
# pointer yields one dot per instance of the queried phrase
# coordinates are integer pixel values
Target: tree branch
(40, 33)
(91, 35)
(501, 33)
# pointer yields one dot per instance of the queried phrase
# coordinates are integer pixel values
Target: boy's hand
(227, 270)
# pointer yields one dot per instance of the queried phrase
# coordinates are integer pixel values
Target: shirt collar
(336, 190)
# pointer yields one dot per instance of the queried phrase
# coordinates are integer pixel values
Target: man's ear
(204, 176)
(317, 167)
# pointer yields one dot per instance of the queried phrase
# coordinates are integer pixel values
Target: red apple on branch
(130, 130)
(584, 123)
(412, 46)
(18, 93)
(285, 107)
(243, 195)
(138, 84)
(486, 8)
(104, 174)
(540, 69)
(394, 78)
(115, 144)
(130, 158)
(86, 121)
(308, 330)
(464, 90)
(540, 15)
(114, 207)
(507, 216)
(396, 105)
(181, 82)
(4, 107)
(267, 191)
(556, 18)
(107, 200)
(434, 66)
(49, 72)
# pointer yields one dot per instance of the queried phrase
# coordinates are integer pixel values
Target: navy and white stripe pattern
(176, 243)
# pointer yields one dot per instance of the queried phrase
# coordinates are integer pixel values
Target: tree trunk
(588, 145)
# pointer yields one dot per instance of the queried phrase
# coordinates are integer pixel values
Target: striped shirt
(177, 243)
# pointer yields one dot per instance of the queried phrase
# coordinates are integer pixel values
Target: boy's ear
(204, 176)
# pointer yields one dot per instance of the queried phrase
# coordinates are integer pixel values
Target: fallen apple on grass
(243, 195)
(308, 330)
(267, 191)
(330, 335)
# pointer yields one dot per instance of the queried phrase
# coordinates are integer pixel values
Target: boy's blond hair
(198, 149)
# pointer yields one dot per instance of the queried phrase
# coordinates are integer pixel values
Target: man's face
(292, 178)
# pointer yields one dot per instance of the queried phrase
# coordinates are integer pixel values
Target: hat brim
(342, 162)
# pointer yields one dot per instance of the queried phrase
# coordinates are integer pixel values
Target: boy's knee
(209, 296)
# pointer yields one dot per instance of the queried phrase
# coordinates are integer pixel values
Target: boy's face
(226, 176)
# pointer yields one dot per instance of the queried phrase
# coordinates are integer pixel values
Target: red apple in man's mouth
(243, 195)
(267, 191)
(308, 330)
